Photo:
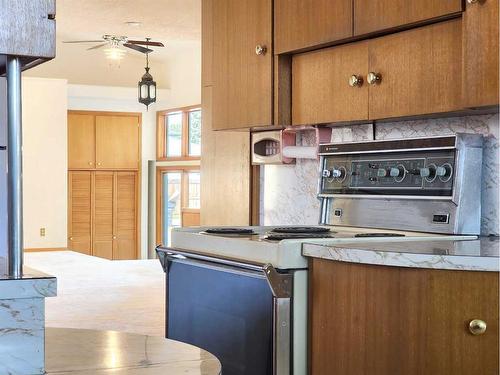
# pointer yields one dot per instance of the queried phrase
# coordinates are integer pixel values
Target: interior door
(125, 216)
(307, 23)
(242, 79)
(117, 141)
(374, 15)
(80, 211)
(480, 54)
(419, 71)
(81, 141)
(321, 92)
(103, 214)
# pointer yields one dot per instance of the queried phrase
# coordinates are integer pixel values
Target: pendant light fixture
(147, 86)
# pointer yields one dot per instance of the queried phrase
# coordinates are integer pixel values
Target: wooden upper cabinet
(375, 15)
(80, 211)
(302, 24)
(419, 70)
(117, 142)
(81, 141)
(480, 54)
(321, 90)
(380, 320)
(242, 78)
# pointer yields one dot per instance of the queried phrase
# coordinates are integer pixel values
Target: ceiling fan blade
(98, 46)
(146, 43)
(83, 41)
(137, 48)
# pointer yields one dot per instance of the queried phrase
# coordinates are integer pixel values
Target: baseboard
(37, 249)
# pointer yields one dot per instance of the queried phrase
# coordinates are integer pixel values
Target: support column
(14, 168)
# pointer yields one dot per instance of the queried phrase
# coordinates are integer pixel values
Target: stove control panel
(399, 174)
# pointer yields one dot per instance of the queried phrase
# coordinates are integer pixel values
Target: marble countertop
(85, 352)
(473, 255)
(33, 283)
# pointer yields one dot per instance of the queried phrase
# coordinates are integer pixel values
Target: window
(177, 200)
(179, 134)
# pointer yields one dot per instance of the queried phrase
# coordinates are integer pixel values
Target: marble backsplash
(288, 192)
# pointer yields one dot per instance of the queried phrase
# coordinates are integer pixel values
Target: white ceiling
(176, 23)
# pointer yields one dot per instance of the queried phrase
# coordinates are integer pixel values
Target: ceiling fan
(114, 41)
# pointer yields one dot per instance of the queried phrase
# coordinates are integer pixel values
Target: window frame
(161, 134)
(184, 170)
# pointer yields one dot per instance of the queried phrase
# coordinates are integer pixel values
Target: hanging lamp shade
(147, 87)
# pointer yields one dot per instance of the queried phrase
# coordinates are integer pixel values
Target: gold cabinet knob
(374, 78)
(90, 163)
(355, 81)
(71, 238)
(260, 50)
(98, 164)
(477, 327)
(114, 237)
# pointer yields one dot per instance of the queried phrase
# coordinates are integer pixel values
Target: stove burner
(293, 236)
(300, 230)
(379, 235)
(226, 230)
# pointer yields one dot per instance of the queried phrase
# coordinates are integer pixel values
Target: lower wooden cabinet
(103, 209)
(380, 320)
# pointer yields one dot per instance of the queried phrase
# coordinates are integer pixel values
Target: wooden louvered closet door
(103, 214)
(79, 211)
(125, 216)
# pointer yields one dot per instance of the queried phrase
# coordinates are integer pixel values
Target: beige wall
(45, 162)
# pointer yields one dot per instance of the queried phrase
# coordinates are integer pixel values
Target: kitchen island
(418, 307)
(22, 320)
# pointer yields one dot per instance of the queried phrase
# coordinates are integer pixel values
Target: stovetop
(284, 253)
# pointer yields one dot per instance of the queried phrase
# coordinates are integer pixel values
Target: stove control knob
(397, 172)
(338, 173)
(382, 172)
(441, 171)
(426, 172)
(326, 173)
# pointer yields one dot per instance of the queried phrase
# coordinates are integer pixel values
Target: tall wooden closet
(103, 183)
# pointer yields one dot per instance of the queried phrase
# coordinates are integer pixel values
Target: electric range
(241, 293)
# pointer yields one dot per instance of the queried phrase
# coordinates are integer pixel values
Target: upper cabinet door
(81, 141)
(374, 15)
(330, 85)
(480, 54)
(416, 72)
(117, 142)
(242, 63)
(301, 24)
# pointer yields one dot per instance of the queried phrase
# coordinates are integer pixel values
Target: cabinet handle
(260, 50)
(114, 237)
(90, 163)
(477, 327)
(71, 238)
(355, 81)
(374, 78)
(98, 164)
(472, 1)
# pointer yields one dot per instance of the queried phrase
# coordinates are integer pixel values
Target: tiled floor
(95, 293)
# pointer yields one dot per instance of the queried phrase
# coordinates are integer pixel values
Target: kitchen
(349, 180)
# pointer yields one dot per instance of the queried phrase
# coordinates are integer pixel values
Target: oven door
(230, 309)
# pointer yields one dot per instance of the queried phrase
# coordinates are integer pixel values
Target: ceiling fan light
(114, 52)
